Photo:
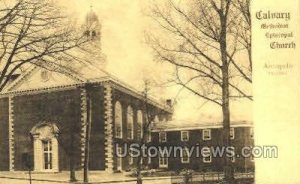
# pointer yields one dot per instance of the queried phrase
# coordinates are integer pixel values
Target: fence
(203, 178)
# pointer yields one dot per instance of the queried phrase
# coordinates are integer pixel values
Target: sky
(124, 23)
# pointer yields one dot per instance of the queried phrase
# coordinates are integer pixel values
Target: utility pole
(87, 135)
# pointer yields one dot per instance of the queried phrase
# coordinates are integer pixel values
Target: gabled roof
(180, 125)
(31, 79)
(31, 82)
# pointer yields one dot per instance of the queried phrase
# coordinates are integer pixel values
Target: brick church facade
(45, 114)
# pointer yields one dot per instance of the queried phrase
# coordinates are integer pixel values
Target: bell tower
(92, 26)
(91, 29)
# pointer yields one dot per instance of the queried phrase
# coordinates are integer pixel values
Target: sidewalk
(100, 177)
(63, 177)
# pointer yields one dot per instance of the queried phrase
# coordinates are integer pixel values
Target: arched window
(118, 120)
(130, 123)
(140, 124)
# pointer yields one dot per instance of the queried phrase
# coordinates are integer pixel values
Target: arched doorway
(45, 147)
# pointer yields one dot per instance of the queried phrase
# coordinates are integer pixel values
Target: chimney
(169, 102)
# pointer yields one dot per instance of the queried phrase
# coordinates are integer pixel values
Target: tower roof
(92, 18)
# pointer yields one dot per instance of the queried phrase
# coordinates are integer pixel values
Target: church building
(46, 115)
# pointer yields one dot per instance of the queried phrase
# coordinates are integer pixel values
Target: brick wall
(97, 153)
(136, 104)
(242, 138)
(62, 108)
(4, 145)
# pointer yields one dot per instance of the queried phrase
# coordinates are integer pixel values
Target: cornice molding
(115, 84)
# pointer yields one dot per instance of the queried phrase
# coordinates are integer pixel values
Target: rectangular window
(252, 158)
(185, 156)
(149, 139)
(162, 136)
(207, 155)
(163, 161)
(207, 159)
(142, 160)
(47, 146)
(184, 136)
(130, 160)
(206, 134)
(232, 133)
(232, 158)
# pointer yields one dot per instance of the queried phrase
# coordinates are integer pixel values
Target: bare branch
(36, 32)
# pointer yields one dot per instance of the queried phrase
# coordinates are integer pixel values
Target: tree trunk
(72, 167)
(228, 170)
(72, 172)
(139, 179)
(71, 155)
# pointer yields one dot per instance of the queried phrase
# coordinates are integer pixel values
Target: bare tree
(242, 29)
(36, 32)
(67, 142)
(145, 132)
(207, 42)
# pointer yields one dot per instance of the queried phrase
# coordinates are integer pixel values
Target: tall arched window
(118, 120)
(130, 123)
(140, 124)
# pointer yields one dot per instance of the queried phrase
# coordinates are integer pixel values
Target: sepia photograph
(133, 91)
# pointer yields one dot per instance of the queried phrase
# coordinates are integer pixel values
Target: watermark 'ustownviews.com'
(136, 150)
